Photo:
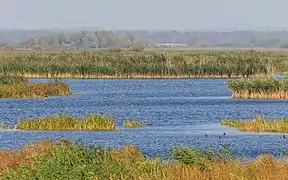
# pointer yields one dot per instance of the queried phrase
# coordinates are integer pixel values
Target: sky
(143, 14)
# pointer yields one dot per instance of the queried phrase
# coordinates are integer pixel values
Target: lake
(177, 112)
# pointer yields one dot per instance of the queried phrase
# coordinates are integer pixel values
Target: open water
(177, 112)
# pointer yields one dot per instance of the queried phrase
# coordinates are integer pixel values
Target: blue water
(178, 112)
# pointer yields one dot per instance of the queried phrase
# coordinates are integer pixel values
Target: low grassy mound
(259, 88)
(133, 123)
(259, 124)
(68, 122)
(66, 160)
(18, 87)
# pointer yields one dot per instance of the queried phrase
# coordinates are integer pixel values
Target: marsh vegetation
(66, 160)
(131, 64)
(258, 124)
(259, 88)
(68, 122)
(130, 123)
(19, 87)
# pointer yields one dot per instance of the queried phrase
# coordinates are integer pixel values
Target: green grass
(259, 124)
(68, 122)
(133, 123)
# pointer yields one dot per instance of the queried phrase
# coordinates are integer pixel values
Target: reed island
(20, 87)
(259, 88)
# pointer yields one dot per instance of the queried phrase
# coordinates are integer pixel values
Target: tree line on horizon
(95, 38)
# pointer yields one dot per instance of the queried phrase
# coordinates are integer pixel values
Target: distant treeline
(101, 38)
(77, 39)
(117, 63)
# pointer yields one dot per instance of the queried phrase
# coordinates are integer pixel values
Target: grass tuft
(132, 123)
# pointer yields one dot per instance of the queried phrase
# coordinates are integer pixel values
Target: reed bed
(259, 88)
(68, 122)
(34, 90)
(66, 160)
(131, 123)
(259, 124)
(131, 64)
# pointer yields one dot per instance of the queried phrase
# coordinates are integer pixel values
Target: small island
(19, 87)
(258, 124)
(259, 88)
(67, 122)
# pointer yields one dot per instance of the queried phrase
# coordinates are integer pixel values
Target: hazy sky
(143, 14)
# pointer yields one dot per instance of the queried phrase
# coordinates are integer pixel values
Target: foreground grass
(128, 64)
(259, 124)
(259, 88)
(18, 87)
(68, 122)
(65, 160)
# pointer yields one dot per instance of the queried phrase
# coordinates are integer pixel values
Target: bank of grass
(19, 87)
(259, 88)
(66, 160)
(68, 122)
(259, 124)
(134, 64)
(131, 123)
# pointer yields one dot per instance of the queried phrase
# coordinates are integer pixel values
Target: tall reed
(68, 122)
(259, 88)
(129, 64)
